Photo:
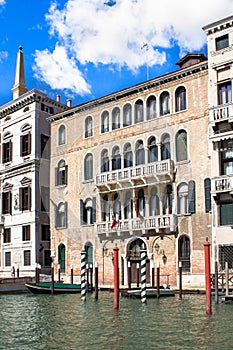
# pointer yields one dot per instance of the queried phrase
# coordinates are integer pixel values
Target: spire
(19, 87)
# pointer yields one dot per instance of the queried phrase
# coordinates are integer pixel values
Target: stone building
(24, 177)
(220, 58)
(130, 169)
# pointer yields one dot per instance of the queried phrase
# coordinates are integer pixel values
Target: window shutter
(207, 186)
(66, 214)
(21, 145)
(55, 216)
(93, 210)
(56, 177)
(191, 197)
(29, 198)
(10, 150)
(20, 198)
(66, 175)
(10, 202)
(29, 143)
(81, 212)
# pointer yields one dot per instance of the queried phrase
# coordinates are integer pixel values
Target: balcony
(221, 113)
(149, 226)
(135, 176)
(222, 184)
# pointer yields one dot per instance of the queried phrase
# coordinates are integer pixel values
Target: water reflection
(66, 323)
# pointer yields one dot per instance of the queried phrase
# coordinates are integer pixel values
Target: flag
(114, 222)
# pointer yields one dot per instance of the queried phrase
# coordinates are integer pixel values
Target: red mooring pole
(207, 276)
(116, 277)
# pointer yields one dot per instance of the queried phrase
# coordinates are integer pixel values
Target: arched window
(62, 257)
(164, 103)
(165, 147)
(184, 252)
(88, 127)
(105, 208)
(104, 122)
(88, 211)
(127, 114)
(154, 203)
(181, 146)
(104, 161)
(182, 198)
(61, 173)
(141, 203)
(7, 148)
(88, 167)
(128, 156)
(151, 108)
(140, 153)
(138, 111)
(152, 150)
(128, 206)
(117, 207)
(116, 158)
(180, 99)
(167, 200)
(116, 118)
(61, 215)
(61, 135)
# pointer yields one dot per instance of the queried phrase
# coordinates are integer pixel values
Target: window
(61, 135)
(165, 147)
(25, 198)
(182, 197)
(116, 158)
(167, 200)
(128, 156)
(7, 148)
(191, 197)
(44, 146)
(47, 258)
(164, 103)
(7, 259)
(47, 109)
(224, 93)
(26, 233)
(105, 208)
(222, 42)
(7, 235)
(88, 127)
(152, 150)
(61, 173)
(6, 202)
(207, 186)
(104, 122)
(128, 206)
(154, 203)
(44, 206)
(27, 258)
(104, 161)
(61, 215)
(138, 111)
(225, 254)
(62, 257)
(127, 115)
(116, 118)
(226, 157)
(116, 207)
(88, 167)
(45, 232)
(88, 211)
(184, 252)
(140, 153)
(151, 108)
(180, 99)
(140, 203)
(25, 145)
(226, 213)
(181, 146)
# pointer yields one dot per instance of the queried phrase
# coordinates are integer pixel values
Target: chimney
(19, 87)
(69, 103)
(58, 98)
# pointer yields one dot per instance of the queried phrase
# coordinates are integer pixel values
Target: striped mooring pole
(83, 270)
(143, 274)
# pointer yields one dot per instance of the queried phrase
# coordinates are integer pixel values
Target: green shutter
(207, 186)
(81, 212)
(191, 197)
(93, 210)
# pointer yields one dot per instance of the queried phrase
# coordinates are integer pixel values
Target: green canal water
(64, 322)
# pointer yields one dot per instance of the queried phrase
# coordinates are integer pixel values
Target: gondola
(55, 288)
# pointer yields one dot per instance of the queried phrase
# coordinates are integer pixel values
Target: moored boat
(56, 288)
(14, 285)
(150, 293)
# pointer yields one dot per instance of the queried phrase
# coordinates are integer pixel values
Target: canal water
(64, 322)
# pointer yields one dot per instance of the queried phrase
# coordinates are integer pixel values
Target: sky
(85, 49)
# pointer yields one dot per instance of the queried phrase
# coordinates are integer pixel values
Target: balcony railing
(221, 113)
(164, 167)
(222, 184)
(166, 223)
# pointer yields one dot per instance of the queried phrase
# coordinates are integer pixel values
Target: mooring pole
(227, 278)
(116, 277)
(96, 281)
(52, 284)
(91, 277)
(207, 276)
(59, 272)
(137, 274)
(143, 274)
(83, 270)
(158, 279)
(71, 275)
(180, 279)
(216, 283)
(129, 275)
(152, 274)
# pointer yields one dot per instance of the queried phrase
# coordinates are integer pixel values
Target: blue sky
(84, 49)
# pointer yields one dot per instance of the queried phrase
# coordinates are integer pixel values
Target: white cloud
(3, 55)
(93, 32)
(2, 2)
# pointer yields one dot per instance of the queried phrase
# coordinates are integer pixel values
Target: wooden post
(91, 277)
(116, 277)
(180, 279)
(59, 272)
(87, 278)
(52, 283)
(129, 275)
(227, 278)
(137, 274)
(216, 283)
(152, 274)
(71, 275)
(143, 274)
(158, 279)
(96, 281)
(207, 276)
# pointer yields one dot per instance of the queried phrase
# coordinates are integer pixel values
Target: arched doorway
(89, 253)
(134, 257)
(62, 257)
